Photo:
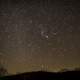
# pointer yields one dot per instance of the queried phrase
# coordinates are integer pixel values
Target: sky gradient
(39, 34)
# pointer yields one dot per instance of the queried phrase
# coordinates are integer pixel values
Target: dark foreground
(42, 75)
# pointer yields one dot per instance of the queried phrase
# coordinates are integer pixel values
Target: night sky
(39, 35)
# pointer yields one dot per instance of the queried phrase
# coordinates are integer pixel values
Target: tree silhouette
(3, 71)
(77, 69)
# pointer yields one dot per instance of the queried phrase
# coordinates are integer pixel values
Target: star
(46, 36)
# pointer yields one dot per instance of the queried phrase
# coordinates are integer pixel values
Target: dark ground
(43, 75)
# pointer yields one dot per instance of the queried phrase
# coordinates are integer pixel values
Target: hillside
(42, 75)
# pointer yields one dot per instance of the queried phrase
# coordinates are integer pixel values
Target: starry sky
(39, 35)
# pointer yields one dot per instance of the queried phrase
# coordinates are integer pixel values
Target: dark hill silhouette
(43, 75)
